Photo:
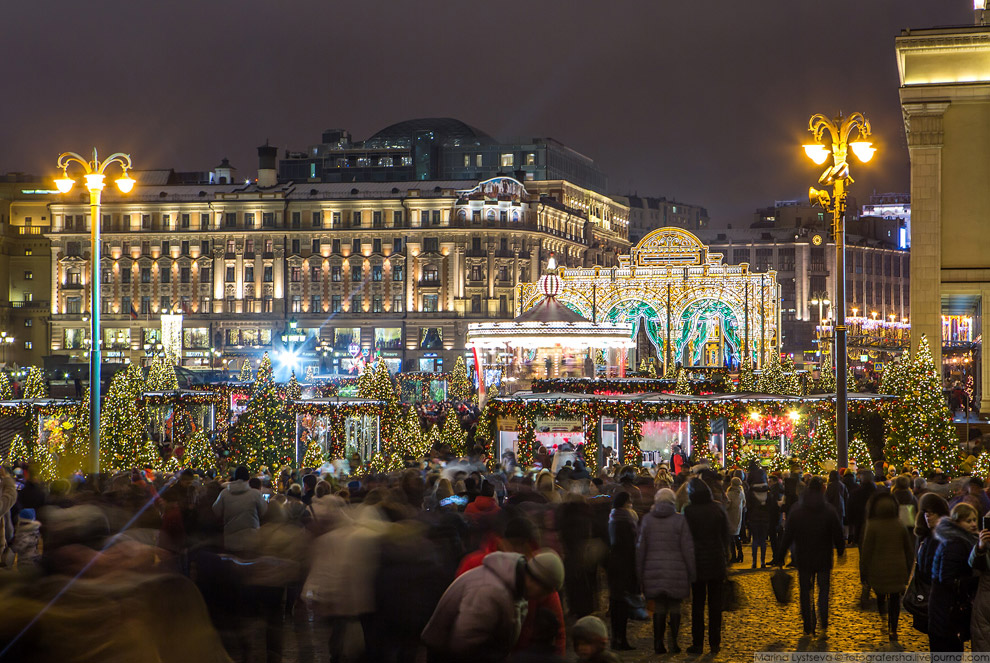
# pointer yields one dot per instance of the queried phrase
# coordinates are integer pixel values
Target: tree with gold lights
(309, 374)
(162, 376)
(121, 424)
(826, 381)
(792, 382)
(6, 393)
(683, 383)
(314, 456)
(919, 427)
(747, 378)
(18, 451)
(452, 435)
(376, 384)
(149, 457)
(264, 435)
(772, 380)
(198, 452)
(245, 375)
(292, 390)
(35, 386)
(459, 387)
(859, 453)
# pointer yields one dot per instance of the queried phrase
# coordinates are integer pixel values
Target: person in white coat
(736, 499)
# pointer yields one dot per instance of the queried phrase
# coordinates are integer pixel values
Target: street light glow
(816, 152)
(863, 149)
(64, 184)
(125, 183)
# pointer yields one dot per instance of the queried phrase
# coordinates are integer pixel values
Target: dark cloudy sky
(706, 101)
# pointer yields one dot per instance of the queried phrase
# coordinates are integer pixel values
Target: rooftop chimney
(267, 155)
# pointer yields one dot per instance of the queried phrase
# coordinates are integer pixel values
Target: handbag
(781, 582)
(915, 599)
(637, 607)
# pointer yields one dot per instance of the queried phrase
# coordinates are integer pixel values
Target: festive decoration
(632, 434)
(6, 393)
(920, 433)
(826, 383)
(459, 387)
(149, 457)
(35, 386)
(651, 369)
(314, 457)
(264, 435)
(376, 384)
(859, 453)
(161, 376)
(309, 374)
(18, 452)
(792, 383)
(747, 378)
(683, 383)
(772, 378)
(452, 435)
(245, 374)
(121, 425)
(78, 446)
(292, 390)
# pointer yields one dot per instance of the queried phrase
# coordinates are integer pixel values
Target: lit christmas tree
(452, 435)
(823, 448)
(121, 425)
(483, 429)
(199, 453)
(314, 457)
(245, 375)
(78, 447)
(792, 383)
(683, 383)
(415, 443)
(161, 376)
(772, 379)
(651, 369)
(264, 436)
(859, 453)
(747, 378)
(6, 393)
(35, 386)
(376, 384)
(982, 466)
(45, 460)
(292, 390)
(309, 374)
(920, 433)
(644, 368)
(826, 381)
(459, 387)
(149, 457)
(18, 452)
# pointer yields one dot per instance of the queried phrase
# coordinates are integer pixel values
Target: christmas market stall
(422, 387)
(42, 430)
(337, 428)
(172, 417)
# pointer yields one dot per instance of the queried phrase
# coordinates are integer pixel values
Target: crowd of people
(452, 560)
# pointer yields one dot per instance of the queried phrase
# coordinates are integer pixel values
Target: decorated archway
(694, 309)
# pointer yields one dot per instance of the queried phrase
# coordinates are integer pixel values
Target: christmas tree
(149, 457)
(859, 453)
(651, 369)
(264, 436)
(772, 379)
(919, 427)
(376, 384)
(199, 453)
(35, 386)
(309, 374)
(292, 390)
(823, 447)
(245, 375)
(78, 448)
(452, 435)
(18, 452)
(314, 457)
(6, 393)
(826, 381)
(414, 442)
(45, 460)
(683, 383)
(459, 387)
(162, 375)
(792, 383)
(644, 368)
(121, 427)
(747, 378)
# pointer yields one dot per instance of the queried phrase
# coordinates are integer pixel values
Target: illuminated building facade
(392, 269)
(647, 214)
(945, 97)
(683, 303)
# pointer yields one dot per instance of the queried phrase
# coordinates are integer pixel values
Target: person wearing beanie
(709, 527)
(591, 641)
(814, 529)
(665, 564)
(478, 616)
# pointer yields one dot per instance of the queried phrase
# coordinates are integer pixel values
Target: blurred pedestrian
(709, 527)
(950, 605)
(736, 500)
(621, 569)
(240, 508)
(591, 641)
(886, 557)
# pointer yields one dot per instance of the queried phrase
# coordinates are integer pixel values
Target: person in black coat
(953, 581)
(709, 527)
(621, 570)
(813, 527)
(762, 517)
(932, 508)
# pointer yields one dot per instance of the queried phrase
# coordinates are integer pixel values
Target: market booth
(172, 416)
(342, 426)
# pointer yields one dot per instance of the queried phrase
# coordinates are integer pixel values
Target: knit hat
(589, 628)
(547, 568)
(665, 495)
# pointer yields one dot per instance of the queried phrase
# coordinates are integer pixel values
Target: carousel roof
(550, 310)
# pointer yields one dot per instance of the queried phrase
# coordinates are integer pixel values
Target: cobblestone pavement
(765, 625)
(761, 625)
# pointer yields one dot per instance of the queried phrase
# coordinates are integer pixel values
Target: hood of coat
(505, 565)
(238, 487)
(948, 530)
(623, 515)
(485, 503)
(663, 510)
(885, 508)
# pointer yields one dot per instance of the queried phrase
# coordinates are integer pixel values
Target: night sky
(703, 101)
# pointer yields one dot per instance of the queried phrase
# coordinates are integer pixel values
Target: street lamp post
(93, 174)
(837, 176)
(5, 340)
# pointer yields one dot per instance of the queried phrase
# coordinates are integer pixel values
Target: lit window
(28, 345)
(506, 160)
(28, 275)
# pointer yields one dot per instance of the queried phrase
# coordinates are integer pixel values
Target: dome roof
(447, 130)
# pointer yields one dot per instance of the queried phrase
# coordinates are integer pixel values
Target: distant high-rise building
(892, 206)
(646, 214)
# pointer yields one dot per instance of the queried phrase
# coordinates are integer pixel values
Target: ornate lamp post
(93, 174)
(837, 176)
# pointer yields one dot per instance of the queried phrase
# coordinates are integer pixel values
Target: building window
(356, 219)
(356, 304)
(431, 273)
(125, 275)
(73, 305)
(204, 305)
(376, 304)
(73, 249)
(28, 275)
(335, 217)
(335, 274)
(145, 305)
(230, 219)
(296, 306)
(397, 272)
(28, 345)
(376, 219)
(165, 275)
(315, 274)
(335, 304)
(166, 222)
(125, 305)
(145, 275)
(28, 252)
(436, 217)
(397, 304)
(335, 246)
(146, 222)
(164, 303)
(269, 274)
(184, 220)
(356, 246)
(430, 303)
(267, 305)
(476, 303)
(317, 219)
(397, 218)
(28, 322)
(204, 221)
(295, 247)
(315, 305)
(505, 160)
(268, 219)
(531, 159)
(295, 274)
(476, 273)
(230, 278)
(396, 245)
(356, 274)
(477, 160)
(316, 246)
(249, 219)
(184, 275)
(376, 273)
(376, 246)
(204, 275)
(467, 160)
(431, 245)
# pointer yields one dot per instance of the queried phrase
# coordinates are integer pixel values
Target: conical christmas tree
(683, 383)
(747, 378)
(309, 374)
(826, 383)
(46, 463)
(920, 433)
(79, 445)
(6, 393)
(823, 447)
(162, 375)
(245, 374)
(452, 435)
(18, 452)
(121, 426)
(772, 378)
(35, 386)
(459, 387)
(376, 384)
(149, 457)
(292, 390)
(860, 453)
(792, 383)
(264, 436)
(199, 453)
(314, 457)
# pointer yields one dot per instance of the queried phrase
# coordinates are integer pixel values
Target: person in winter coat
(886, 557)
(240, 508)
(837, 495)
(621, 570)
(736, 499)
(591, 641)
(484, 506)
(979, 559)
(709, 527)
(666, 566)
(479, 616)
(953, 583)
(932, 508)
(814, 529)
(762, 517)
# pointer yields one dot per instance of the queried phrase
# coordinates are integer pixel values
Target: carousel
(550, 340)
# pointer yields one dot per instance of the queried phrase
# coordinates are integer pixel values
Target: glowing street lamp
(837, 176)
(94, 176)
